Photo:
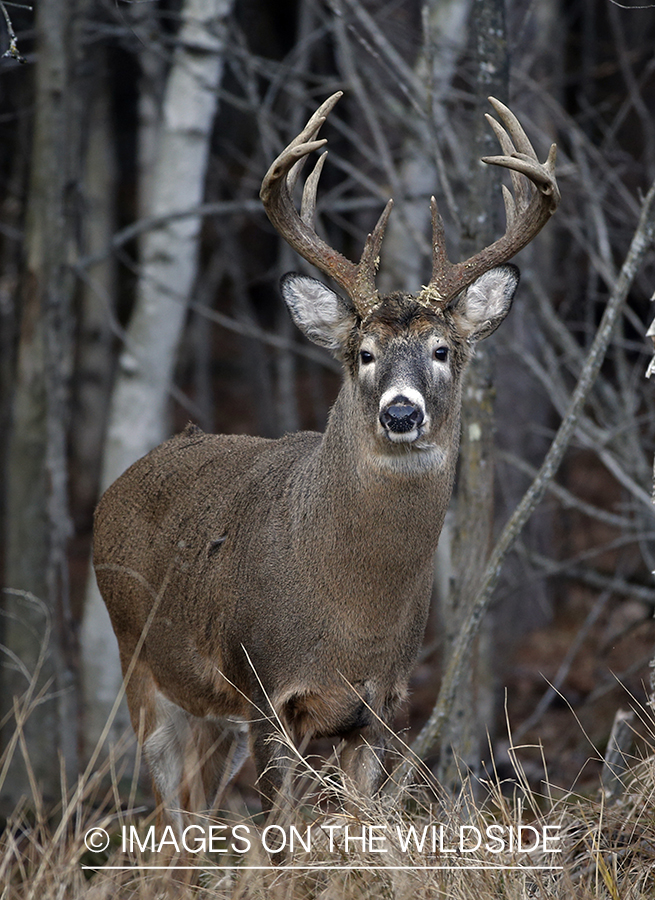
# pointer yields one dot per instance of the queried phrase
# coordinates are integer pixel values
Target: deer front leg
(270, 750)
(362, 761)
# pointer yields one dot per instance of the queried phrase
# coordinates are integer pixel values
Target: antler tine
(519, 155)
(308, 204)
(540, 174)
(528, 209)
(514, 128)
(358, 280)
(307, 137)
(520, 189)
(440, 260)
(370, 258)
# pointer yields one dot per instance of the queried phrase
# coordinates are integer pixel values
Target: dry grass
(403, 845)
(606, 852)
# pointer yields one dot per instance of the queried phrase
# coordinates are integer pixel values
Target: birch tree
(137, 416)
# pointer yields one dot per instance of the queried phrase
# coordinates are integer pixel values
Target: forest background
(138, 291)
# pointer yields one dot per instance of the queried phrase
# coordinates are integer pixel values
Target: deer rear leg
(192, 760)
(216, 752)
(160, 725)
(164, 748)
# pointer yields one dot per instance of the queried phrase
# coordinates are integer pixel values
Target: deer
(256, 585)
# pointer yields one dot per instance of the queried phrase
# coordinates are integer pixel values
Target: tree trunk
(472, 714)
(39, 630)
(137, 416)
(94, 360)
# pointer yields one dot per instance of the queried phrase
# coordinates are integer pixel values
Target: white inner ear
(487, 298)
(320, 313)
(487, 301)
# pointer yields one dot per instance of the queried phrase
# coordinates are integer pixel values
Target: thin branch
(147, 223)
(406, 79)
(569, 499)
(12, 51)
(592, 577)
(250, 330)
(305, 350)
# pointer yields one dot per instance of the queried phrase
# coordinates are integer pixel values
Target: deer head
(462, 303)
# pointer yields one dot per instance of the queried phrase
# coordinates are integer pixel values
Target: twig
(569, 569)
(405, 77)
(12, 51)
(306, 351)
(640, 245)
(567, 498)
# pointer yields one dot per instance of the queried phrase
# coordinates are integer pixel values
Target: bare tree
(472, 712)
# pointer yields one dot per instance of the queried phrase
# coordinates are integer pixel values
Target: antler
(358, 280)
(527, 211)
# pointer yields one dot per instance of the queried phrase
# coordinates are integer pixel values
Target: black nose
(401, 417)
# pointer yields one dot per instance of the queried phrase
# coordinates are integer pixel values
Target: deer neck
(387, 506)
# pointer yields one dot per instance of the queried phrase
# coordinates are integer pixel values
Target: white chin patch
(418, 458)
(407, 437)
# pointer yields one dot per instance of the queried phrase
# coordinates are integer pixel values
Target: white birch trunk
(168, 268)
(404, 263)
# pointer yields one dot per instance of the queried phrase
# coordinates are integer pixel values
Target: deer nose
(401, 416)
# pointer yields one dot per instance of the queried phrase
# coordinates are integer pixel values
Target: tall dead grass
(412, 842)
(605, 852)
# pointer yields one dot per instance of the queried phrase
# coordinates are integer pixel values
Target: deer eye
(366, 357)
(441, 354)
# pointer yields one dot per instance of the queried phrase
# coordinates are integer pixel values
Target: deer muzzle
(401, 418)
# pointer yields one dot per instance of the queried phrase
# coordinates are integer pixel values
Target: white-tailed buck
(256, 583)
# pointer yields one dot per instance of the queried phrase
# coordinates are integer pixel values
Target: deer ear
(486, 302)
(323, 316)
